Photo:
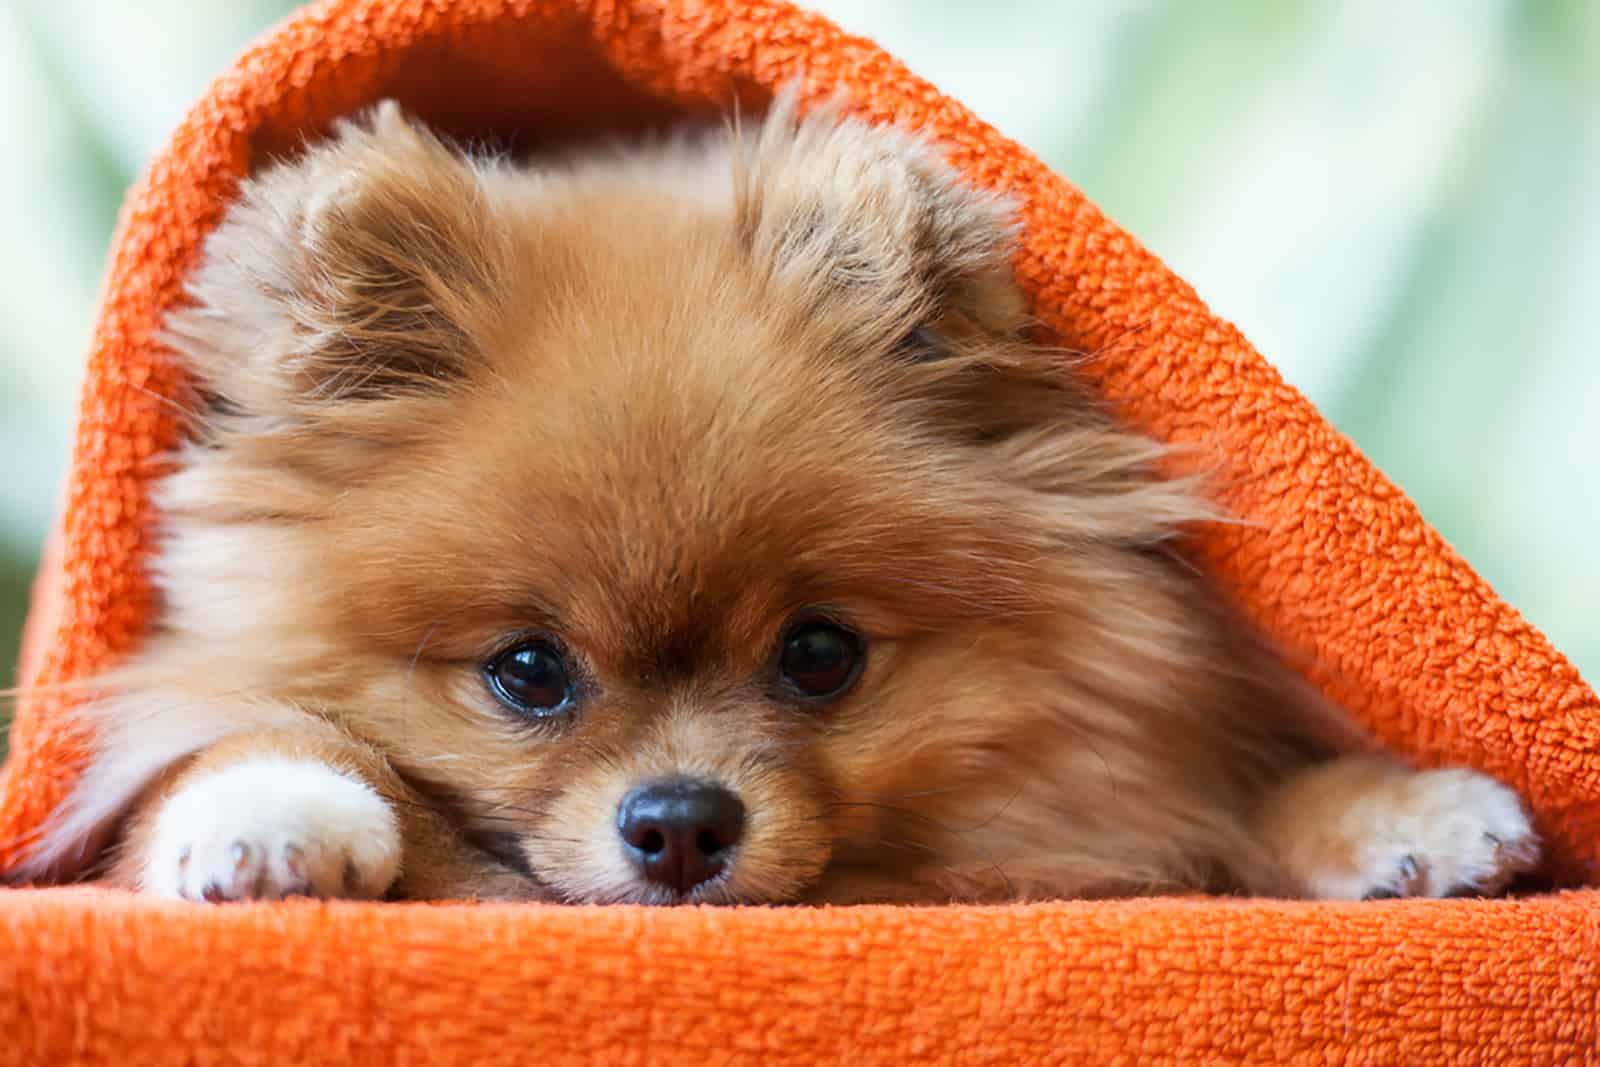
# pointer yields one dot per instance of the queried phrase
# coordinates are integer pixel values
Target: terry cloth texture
(1332, 560)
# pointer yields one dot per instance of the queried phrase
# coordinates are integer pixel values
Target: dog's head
(695, 522)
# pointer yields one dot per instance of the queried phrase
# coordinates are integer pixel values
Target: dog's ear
(907, 271)
(890, 262)
(871, 236)
(360, 270)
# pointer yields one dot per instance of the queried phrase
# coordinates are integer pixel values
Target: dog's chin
(836, 879)
(715, 893)
(835, 885)
(586, 883)
(719, 892)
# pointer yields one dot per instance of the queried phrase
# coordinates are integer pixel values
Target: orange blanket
(1334, 562)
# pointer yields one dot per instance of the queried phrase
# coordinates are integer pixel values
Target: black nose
(680, 832)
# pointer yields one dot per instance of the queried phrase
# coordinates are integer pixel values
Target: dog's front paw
(1366, 830)
(269, 828)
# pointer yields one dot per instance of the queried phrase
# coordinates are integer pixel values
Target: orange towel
(1334, 562)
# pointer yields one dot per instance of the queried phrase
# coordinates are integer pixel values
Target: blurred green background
(1399, 203)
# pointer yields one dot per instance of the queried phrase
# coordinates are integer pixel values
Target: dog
(696, 521)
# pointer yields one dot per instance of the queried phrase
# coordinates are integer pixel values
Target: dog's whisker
(422, 644)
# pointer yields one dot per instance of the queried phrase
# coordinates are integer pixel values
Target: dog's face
(697, 524)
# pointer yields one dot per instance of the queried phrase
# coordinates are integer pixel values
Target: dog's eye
(531, 678)
(820, 659)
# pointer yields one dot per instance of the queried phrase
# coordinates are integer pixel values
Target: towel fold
(107, 978)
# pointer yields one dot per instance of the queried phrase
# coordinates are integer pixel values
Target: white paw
(1356, 830)
(270, 828)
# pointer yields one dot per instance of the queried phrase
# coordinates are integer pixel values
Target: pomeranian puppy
(695, 521)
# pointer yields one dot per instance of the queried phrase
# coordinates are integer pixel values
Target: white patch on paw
(1362, 829)
(270, 828)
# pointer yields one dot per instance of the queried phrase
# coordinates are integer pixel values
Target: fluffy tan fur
(659, 401)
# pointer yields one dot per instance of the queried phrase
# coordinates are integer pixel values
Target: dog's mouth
(838, 883)
(670, 840)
